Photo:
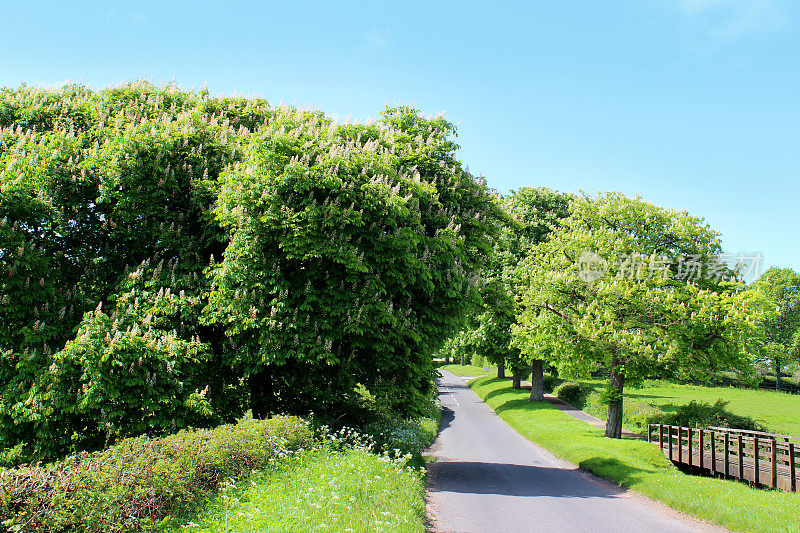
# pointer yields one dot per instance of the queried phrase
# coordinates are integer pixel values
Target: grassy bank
(366, 481)
(640, 465)
(323, 490)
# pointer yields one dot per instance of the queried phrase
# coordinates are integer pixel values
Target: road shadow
(468, 477)
(448, 415)
(613, 469)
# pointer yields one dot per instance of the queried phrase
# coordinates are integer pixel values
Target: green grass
(776, 411)
(640, 465)
(465, 370)
(322, 490)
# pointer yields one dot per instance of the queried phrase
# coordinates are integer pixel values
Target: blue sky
(692, 104)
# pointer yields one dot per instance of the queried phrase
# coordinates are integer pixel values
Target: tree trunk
(516, 381)
(537, 380)
(614, 421)
(462, 358)
(777, 373)
(260, 385)
(501, 370)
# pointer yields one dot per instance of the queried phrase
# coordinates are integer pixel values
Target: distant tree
(531, 214)
(609, 291)
(535, 213)
(781, 286)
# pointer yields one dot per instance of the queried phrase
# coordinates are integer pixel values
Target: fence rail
(760, 458)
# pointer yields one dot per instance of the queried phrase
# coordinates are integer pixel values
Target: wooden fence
(760, 458)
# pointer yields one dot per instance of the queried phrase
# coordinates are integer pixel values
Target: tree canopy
(169, 258)
(781, 286)
(610, 291)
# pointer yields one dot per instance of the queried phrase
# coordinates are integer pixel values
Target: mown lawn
(465, 370)
(323, 490)
(777, 411)
(640, 465)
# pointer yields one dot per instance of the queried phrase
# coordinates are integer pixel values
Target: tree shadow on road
(614, 469)
(447, 418)
(468, 477)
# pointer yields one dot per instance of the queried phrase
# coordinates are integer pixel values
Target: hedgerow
(141, 482)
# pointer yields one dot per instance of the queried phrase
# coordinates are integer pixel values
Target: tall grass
(322, 490)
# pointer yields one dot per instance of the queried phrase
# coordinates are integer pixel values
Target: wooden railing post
(755, 460)
(669, 428)
(774, 463)
(680, 444)
(792, 469)
(726, 450)
(713, 453)
(702, 451)
(740, 452)
(689, 430)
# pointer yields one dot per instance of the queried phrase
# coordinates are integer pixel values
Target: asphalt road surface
(490, 479)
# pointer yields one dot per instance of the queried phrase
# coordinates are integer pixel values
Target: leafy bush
(550, 382)
(478, 360)
(572, 393)
(701, 415)
(139, 482)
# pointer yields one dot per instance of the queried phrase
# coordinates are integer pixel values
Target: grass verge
(640, 465)
(346, 481)
(322, 490)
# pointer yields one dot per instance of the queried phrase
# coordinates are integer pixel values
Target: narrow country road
(488, 478)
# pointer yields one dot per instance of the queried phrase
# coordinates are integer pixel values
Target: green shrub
(573, 393)
(478, 360)
(550, 382)
(635, 414)
(139, 482)
(701, 414)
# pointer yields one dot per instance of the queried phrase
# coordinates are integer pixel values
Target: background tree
(535, 212)
(532, 213)
(781, 286)
(610, 287)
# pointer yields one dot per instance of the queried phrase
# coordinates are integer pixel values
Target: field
(640, 465)
(778, 412)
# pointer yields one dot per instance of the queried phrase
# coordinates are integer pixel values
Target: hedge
(141, 482)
